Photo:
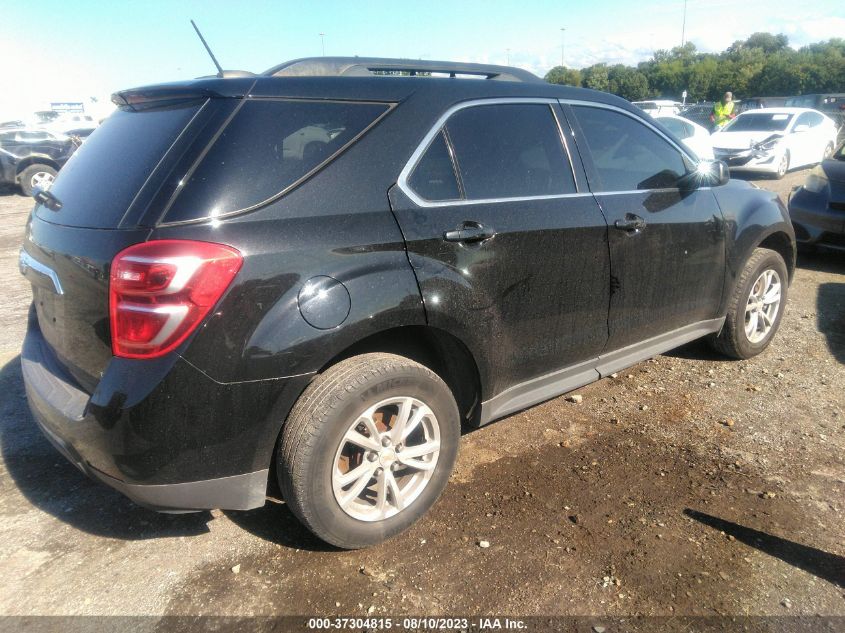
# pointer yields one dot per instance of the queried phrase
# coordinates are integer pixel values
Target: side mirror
(801, 128)
(709, 173)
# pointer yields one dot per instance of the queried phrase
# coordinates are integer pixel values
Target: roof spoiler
(370, 66)
(203, 89)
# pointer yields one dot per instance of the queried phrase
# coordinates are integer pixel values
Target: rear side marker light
(160, 291)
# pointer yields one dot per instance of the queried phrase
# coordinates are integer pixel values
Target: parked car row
(765, 140)
(32, 152)
(774, 140)
(31, 157)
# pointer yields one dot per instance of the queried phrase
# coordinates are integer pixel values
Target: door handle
(470, 232)
(632, 223)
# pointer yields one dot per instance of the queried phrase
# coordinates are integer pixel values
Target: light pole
(684, 26)
(509, 56)
(562, 46)
(323, 43)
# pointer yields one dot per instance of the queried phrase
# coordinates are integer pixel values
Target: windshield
(759, 122)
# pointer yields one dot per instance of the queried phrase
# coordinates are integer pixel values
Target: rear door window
(269, 146)
(627, 154)
(509, 151)
(99, 182)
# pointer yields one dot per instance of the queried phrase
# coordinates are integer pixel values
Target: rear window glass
(509, 151)
(269, 146)
(97, 185)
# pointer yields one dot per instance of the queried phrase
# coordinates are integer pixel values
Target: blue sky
(74, 49)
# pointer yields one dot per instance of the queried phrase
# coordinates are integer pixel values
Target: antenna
(204, 43)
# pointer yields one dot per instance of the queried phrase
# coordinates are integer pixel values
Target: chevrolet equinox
(302, 283)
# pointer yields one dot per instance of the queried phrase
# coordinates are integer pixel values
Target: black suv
(31, 157)
(310, 278)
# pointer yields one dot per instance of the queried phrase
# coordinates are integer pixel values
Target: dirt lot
(687, 485)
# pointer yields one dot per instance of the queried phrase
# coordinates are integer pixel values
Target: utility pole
(509, 56)
(562, 46)
(684, 26)
(323, 43)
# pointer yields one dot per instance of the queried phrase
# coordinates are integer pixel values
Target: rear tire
(350, 420)
(36, 175)
(751, 323)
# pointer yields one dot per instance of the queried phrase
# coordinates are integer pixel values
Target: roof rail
(369, 66)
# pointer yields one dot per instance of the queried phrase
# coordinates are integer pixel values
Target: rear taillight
(160, 291)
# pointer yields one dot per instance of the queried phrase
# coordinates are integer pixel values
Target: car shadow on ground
(824, 565)
(274, 522)
(697, 350)
(52, 485)
(823, 261)
(830, 302)
(830, 317)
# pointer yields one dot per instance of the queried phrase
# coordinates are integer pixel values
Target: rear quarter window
(268, 147)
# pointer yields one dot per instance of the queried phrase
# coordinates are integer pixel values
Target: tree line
(764, 65)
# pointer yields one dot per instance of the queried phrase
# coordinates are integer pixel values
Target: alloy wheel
(762, 306)
(386, 458)
(42, 180)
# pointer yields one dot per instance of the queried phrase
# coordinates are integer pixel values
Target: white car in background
(694, 136)
(775, 140)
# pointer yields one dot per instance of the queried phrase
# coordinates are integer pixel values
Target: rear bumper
(237, 492)
(177, 443)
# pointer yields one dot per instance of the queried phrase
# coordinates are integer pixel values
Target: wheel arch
(33, 160)
(783, 244)
(442, 352)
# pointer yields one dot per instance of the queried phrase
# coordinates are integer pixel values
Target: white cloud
(806, 32)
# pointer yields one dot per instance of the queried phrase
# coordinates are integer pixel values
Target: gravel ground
(686, 485)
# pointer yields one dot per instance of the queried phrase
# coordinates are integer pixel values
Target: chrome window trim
(405, 174)
(630, 191)
(606, 106)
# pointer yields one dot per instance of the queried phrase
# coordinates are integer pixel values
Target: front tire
(828, 152)
(36, 176)
(367, 449)
(756, 306)
(783, 166)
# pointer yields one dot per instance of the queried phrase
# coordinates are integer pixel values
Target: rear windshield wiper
(42, 196)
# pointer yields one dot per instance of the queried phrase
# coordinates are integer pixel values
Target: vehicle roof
(354, 78)
(367, 88)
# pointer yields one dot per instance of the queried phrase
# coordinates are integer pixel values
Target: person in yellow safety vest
(723, 111)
